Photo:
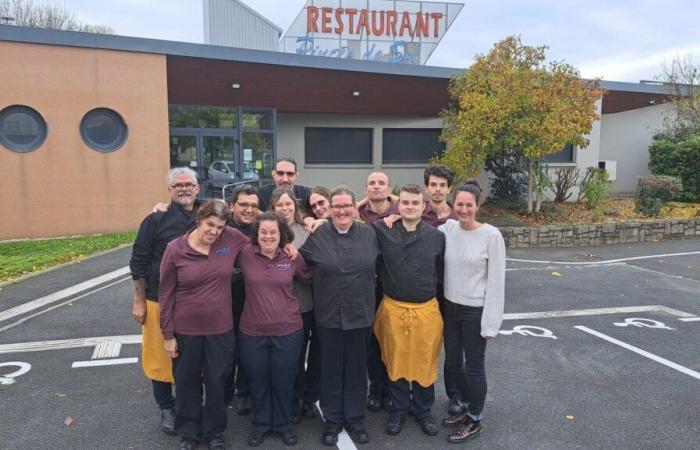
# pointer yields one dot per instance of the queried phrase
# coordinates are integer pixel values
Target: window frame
(37, 142)
(101, 148)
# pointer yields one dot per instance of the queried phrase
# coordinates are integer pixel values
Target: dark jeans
(202, 360)
(163, 393)
(463, 342)
(376, 370)
(306, 385)
(271, 364)
(451, 386)
(344, 369)
(400, 394)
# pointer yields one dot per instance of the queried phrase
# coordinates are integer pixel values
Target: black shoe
(244, 406)
(217, 443)
(358, 433)
(457, 421)
(393, 425)
(167, 421)
(455, 407)
(374, 402)
(387, 404)
(289, 437)
(188, 444)
(330, 434)
(255, 438)
(465, 432)
(308, 410)
(428, 425)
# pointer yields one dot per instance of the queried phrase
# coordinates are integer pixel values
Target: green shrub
(678, 157)
(653, 192)
(595, 186)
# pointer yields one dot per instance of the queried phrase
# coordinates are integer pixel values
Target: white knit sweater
(475, 270)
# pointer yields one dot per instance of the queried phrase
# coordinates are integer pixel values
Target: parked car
(224, 172)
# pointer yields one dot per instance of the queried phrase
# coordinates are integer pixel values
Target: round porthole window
(22, 129)
(103, 130)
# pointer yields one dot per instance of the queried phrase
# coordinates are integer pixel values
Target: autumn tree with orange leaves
(511, 99)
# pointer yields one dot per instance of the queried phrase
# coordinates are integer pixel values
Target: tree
(29, 13)
(681, 78)
(511, 99)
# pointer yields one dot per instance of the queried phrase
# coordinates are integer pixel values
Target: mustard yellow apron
(156, 362)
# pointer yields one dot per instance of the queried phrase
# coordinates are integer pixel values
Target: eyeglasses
(183, 186)
(245, 205)
(281, 173)
(341, 207)
(318, 204)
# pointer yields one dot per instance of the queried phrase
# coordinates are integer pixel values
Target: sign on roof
(397, 31)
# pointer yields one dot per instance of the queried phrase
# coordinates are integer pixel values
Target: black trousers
(271, 364)
(451, 386)
(344, 369)
(307, 383)
(400, 394)
(163, 393)
(376, 370)
(237, 383)
(202, 360)
(465, 352)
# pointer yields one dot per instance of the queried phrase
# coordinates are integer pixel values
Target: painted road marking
(104, 362)
(642, 323)
(9, 378)
(596, 312)
(600, 263)
(62, 344)
(62, 294)
(641, 352)
(690, 319)
(107, 349)
(529, 330)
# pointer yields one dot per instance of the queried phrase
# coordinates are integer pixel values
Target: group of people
(285, 295)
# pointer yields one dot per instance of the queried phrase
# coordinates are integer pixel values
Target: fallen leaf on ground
(569, 417)
(69, 421)
(556, 274)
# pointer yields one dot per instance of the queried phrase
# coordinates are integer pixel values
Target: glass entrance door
(219, 165)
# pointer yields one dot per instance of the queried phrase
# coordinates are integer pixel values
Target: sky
(613, 40)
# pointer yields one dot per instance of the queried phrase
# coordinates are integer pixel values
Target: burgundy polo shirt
(431, 218)
(369, 216)
(271, 309)
(195, 289)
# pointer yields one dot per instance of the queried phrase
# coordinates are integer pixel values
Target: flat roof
(13, 33)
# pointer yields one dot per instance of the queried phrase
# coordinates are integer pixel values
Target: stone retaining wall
(600, 234)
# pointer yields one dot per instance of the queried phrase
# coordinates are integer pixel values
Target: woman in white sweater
(475, 261)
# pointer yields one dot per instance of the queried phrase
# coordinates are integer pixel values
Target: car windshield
(231, 166)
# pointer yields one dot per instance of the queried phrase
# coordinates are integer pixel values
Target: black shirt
(302, 194)
(156, 230)
(409, 260)
(344, 271)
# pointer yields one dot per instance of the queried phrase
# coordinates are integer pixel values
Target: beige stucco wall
(64, 187)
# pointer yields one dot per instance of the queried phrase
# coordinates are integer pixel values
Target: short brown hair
(213, 207)
(286, 234)
(411, 188)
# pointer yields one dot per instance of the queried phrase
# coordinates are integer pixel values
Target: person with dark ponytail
(475, 261)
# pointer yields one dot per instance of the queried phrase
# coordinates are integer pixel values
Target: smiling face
(210, 228)
(319, 206)
(343, 210)
(285, 174)
(245, 209)
(183, 190)
(285, 207)
(268, 236)
(377, 187)
(465, 208)
(437, 189)
(411, 206)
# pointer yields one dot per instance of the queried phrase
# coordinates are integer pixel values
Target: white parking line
(40, 346)
(641, 352)
(104, 362)
(598, 263)
(690, 319)
(60, 295)
(596, 312)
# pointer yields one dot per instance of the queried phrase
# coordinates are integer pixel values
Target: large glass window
(22, 129)
(185, 116)
(565, 155)
(410, 145)
(338, 145)
(103, 130)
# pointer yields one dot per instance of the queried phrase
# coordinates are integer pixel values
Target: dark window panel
(338, 145)
(411, 145)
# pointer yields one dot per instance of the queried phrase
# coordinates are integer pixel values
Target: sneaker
(358, 433)
(465, 432)
(330, 434)
(456, 421)
(455, 407)
(428, 425)
(289, 437)
(255, 439)
(167, 421)
(188, 444)
(217, 443)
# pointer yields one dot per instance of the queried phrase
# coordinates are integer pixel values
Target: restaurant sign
(394, 31)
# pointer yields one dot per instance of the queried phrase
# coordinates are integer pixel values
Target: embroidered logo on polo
(282, 266)
(223, 250)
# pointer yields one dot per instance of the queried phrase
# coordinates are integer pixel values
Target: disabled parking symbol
(642, 323)
(529, 330)
(9, 378)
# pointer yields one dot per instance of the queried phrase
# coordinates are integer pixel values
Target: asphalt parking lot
(599, 349)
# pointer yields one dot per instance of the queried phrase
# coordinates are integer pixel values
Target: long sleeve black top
(344, 272)
(156, 230)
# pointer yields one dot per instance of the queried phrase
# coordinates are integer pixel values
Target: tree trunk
(530, 184)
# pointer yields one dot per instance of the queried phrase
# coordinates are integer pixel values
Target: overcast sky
(615, 40)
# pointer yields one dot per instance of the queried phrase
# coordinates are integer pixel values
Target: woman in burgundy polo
(271, 328)
(197, 323)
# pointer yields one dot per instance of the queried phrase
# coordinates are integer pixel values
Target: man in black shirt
(156, 230)
(408, 325)
(284, 175)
